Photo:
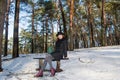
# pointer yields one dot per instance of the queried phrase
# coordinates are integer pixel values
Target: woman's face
(60, 36)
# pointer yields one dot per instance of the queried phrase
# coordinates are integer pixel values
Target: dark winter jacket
(60, 49)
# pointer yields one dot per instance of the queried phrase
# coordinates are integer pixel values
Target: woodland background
(86, 23)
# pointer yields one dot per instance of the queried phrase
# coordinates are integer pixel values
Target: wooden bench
(41, 60)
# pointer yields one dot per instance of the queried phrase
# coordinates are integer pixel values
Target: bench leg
(58, 67)
(40, 64)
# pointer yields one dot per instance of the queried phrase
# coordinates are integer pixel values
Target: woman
(57, 55)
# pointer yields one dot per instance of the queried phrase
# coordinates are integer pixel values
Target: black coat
(60, 49)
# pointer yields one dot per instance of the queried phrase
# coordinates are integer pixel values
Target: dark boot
(58, 67)
(52, 70)
(39, 74)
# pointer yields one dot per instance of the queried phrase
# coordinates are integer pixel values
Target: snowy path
(84, 64)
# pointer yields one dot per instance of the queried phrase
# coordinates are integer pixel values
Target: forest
(85, 23)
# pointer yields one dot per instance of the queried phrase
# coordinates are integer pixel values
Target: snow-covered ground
(101, 63)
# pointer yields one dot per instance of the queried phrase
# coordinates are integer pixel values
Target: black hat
(59, 33)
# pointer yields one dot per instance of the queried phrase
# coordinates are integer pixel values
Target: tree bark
(71, 24)
(117, 37)
(103, 24)
(2, 18)
(16, 30)
(52, 31)
(90, 24)
(63, 18)
(6, 28)
(43, 36)
(33, 31)
(46, 24)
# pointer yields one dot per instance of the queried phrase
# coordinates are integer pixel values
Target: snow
(101, 63)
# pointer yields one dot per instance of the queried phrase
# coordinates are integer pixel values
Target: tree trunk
(90, 24)
(103, 24)
(33, 31)
(85, 41)
(58, 17)
(63, 18)
(16, 30)
(43, 37)
(117, 37)
(76, 41)
(60, 29)
(71, 24)
(52, 32)
(2, 18)
(46, 46)
(6, 28)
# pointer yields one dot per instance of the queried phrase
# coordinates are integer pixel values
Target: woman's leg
(49, 60)
(58, 69)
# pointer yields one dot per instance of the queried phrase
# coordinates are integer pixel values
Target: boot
(58, 67)
(39, 74)
(52, 70)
